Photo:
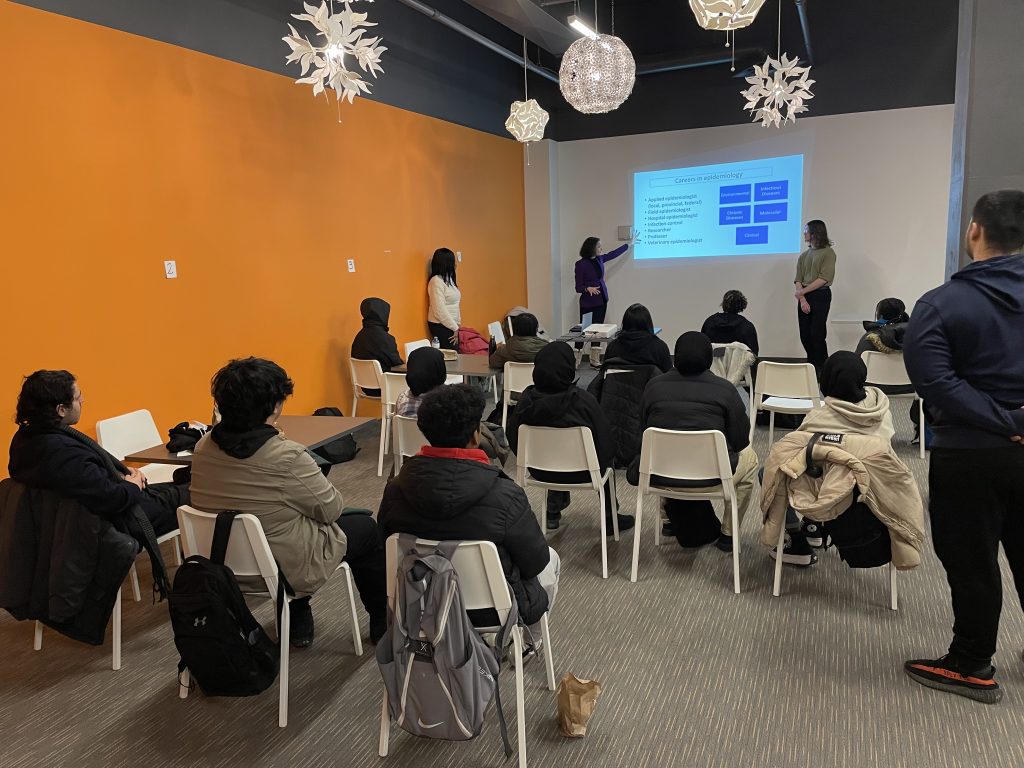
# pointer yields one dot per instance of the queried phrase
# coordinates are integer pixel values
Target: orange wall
(119, 152)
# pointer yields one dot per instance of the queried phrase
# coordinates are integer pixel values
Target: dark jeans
(160, 502)
(814, 326)
(598, 313)
(559, 500)
(977, 501)
(443, 333)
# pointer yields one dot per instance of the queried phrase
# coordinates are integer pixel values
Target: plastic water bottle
(435, 343)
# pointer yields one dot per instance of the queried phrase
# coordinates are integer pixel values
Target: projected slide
(729, 209)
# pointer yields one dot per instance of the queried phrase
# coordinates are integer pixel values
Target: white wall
(880, 180)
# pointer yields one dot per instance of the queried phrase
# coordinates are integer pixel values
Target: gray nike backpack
(439, 673)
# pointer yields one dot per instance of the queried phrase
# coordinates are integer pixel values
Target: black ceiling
(868, 55)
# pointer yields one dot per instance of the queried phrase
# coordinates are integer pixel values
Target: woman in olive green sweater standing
(815, 272)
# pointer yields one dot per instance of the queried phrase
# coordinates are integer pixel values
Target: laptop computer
(587, 319)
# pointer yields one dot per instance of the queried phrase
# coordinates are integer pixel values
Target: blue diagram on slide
(728, 209)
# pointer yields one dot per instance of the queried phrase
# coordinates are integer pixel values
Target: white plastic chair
(777, 584)
(453, 379)
(889, 370)
(566, 449)
(366, 374)
(248, 554)
(790, 387)
(124, 435)
(681, 455)
(483, 585)
(516, 378)
(394, 385)
(408, 439)
(115, 635)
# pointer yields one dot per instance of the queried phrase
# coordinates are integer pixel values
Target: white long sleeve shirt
(444, 303)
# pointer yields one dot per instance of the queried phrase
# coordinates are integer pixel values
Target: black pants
(977, 501)
(443, 334)
(559, 500)
(597, 316)
(814, 326)
(160, 502)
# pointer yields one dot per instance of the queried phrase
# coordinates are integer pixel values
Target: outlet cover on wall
(624, 232)
(170, 269)
(458, 256)
(351, 265)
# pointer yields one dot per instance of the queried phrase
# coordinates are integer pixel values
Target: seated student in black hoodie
(729, 325)
(373, 342)
(637, 344)
(692, 398)
(554, 400)
(885, 333)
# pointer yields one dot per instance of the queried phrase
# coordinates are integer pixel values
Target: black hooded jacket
(640, 348)
(963, 353)
(373, 342)
(554, 400)
(463, 499)
(727, 327)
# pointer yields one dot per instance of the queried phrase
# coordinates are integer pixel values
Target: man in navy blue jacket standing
(964, 351)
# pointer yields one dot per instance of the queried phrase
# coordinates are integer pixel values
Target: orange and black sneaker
(946, 674)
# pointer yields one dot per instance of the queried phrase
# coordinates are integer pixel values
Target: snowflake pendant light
(777, 86)
(597, 74)
(725, 15)
(343, 44)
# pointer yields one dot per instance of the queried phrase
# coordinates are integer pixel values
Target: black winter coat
(619, 394)
(727, 327)
(59, 563)
(693, 403)
(373, 342)
(574, 407)
(49, 459)
(640, 348)
(462, 499)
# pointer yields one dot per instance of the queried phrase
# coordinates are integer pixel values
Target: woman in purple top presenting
(590, 284)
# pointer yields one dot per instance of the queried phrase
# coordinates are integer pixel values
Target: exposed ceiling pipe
(652, 66)
(801, 8)
(476, 37)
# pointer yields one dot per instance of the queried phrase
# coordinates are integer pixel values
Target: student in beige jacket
(246, 464)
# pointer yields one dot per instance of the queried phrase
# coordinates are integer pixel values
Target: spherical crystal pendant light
(597, 74)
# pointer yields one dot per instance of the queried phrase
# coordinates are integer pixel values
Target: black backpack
(224, 648)
(338, 451)
(861, 538)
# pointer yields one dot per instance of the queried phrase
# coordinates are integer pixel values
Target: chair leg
(176, 541)
(637, 527)
(282, 683)
(383, 445)
(604, 533)
(549, 658)
(355, 402)
(517, 649)
(184, 681)
(37, 639)
(494, 385)
(779, 546)
(735, 547)
(116, 653)
(893, 595)
(614, 504)
(771, 429)
(357, 639)
(504, 413)
(920, 426)
(134, 575)
(385, 728)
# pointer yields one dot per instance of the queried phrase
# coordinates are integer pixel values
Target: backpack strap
(221, 534)
(500, 643)
(813, 470)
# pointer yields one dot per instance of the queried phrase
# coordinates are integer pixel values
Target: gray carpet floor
(693, 675)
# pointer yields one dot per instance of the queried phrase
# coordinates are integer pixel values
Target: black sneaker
(813, 533)
(553, 521)
(946, 674)
(625, 523)
(796, 552)
(667, 531)
(300, 631)
(724, 543)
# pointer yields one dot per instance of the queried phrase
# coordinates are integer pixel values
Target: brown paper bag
(576, 701)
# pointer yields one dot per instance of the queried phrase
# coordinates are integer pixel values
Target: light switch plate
(458, 256)
(170, 269)
(624, 232)
(351, 265)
